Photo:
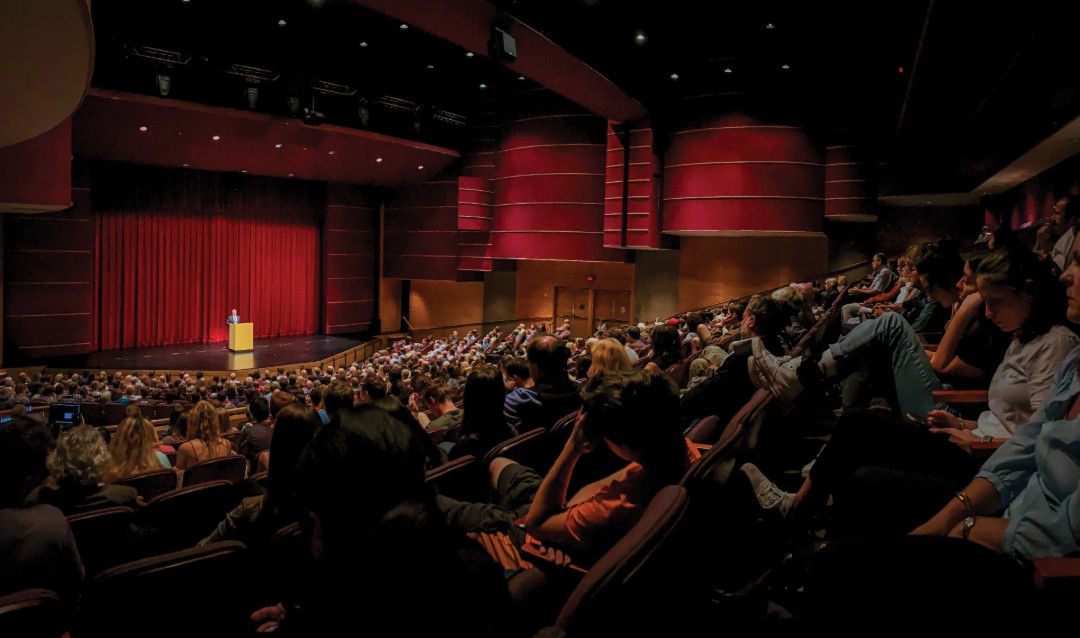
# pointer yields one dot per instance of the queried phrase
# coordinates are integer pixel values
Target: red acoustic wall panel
(420, 239)
(633, 171)
(734, 173)
(548, 188)
(349, 268)
(49, 280)
(35, 175)
(474, 224)
(850, 186)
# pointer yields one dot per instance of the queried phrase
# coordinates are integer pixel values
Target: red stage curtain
(177, 250)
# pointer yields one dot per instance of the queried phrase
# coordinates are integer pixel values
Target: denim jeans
(891, 336)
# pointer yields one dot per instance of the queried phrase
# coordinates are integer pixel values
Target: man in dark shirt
(256, 437)
(552, 397)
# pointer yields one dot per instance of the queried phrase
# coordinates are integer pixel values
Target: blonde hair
(608, 355)
(80, 457)
(132, 449)
(204, 424)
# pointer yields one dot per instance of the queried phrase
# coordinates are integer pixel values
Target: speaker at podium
(241, 337)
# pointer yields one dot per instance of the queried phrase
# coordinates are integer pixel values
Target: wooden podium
(241, 337)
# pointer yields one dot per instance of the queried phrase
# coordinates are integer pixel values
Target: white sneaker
(768, 495)
(779, 374)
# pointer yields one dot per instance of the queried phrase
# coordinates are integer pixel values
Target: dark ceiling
(947, 92)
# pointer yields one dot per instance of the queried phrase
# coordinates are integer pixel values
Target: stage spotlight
(164, 84)
(252, 96)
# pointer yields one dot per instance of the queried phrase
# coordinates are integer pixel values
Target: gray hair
(80, 457)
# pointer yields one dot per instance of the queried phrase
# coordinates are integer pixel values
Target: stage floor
(268, 353)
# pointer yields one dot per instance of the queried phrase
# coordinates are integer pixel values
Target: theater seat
(525, 448)
(227, 468)
(102, 537)
(641, 586)
(135, 599)
(152, 483)
(706, 430)
(462, 479)
(183, 517)
(91, 413)
(163, 411)
(233, 438)
(114, 412)
(32, 613)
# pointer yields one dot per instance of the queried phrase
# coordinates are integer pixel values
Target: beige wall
(656, 290)
(536, 282)
(714, 269)
(390, 305)
(445, 303)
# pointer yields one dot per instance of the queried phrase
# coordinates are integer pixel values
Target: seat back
(163, 410)
(462, 479)
(706, 430)
(102, 537)
(646, 570)
(233, 438)
(230, 468)
(114, 412)
(91, 412)
(127, 600)
(152, 483)
(184, 517)
(146, 410)
(32, 613)
(524, 448)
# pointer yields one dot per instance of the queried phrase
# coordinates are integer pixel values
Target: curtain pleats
(180, 249)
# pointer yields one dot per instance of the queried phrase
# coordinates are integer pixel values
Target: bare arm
(984, 501)
(950, 341)
(546, 519)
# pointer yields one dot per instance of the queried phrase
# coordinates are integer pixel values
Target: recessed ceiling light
(404, 26)
(521, 77)
(185, 165)
(420, 168)
(640, 38)
(770, 26)
(363, 44)
(483, 86)
(216, 138)
(277, 145)
(330, 152)
(469, 54)
(727, 70)
(143, 129)
(378, 160)
(292, 174)
(786, 67)
(244, 170)
(431, 66)
(281, 22)
(185, 2)
(674, 76)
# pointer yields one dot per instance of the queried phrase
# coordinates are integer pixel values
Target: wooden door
(612, 307)
(574, 304)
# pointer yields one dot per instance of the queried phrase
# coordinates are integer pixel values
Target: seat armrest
(961, 396)
(1056, 572)
(534, 556)
(982, 450)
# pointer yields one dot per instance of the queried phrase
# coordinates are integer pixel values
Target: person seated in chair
(553, 395)
(76, 468)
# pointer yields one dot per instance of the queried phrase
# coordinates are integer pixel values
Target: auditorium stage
(269, 353)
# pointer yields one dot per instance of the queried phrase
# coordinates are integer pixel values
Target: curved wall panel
(349, 247)
(420, 239)
(850, 187)
(549, 182)
(639, 182)
(734, 173)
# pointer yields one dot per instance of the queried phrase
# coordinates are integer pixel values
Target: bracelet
(966, 500)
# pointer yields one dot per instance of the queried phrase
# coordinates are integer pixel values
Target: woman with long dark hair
(484, 423)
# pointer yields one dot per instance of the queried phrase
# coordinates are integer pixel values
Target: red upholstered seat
(227, 468)
(102, 537)
(32, 613)
(152, 483)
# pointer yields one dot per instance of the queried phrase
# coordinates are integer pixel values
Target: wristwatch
(988, 438)
(969, 522)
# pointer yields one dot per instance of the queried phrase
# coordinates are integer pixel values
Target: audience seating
(32, 613)
(183, 517)
(172, 457)
(227, 468)
(523, 448)
(233, 438)
(642, 586)
(162, 411)
(706, 430)
(91, 413)
(101, 537)
(133, 599)
(152, 483)
(146, 410)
